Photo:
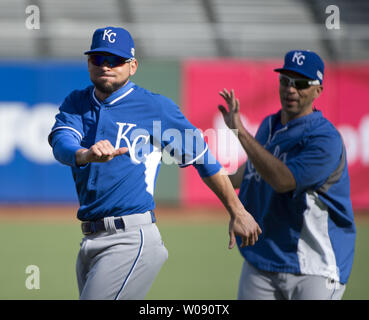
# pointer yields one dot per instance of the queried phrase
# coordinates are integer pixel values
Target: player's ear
(133, 67)
(89, 64)
(318, 91)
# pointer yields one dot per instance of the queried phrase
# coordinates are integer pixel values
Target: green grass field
(200, 266)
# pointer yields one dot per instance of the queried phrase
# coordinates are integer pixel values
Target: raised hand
(231, 116)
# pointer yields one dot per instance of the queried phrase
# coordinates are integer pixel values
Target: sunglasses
(299, 84)
(112, 61)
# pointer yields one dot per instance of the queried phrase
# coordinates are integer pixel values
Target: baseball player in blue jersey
(112, 135)
(296, 185)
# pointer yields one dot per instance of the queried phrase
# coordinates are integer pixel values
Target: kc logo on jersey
(298, 58)
(123, 130)
(110, 35)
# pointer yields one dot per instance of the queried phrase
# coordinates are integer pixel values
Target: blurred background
(188, 50)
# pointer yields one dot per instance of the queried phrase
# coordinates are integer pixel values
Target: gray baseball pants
(256, 284)
(120, 264)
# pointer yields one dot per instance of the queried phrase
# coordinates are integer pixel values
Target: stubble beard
(107, 87)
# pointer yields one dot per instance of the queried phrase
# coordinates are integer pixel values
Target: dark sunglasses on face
(112, 61)
(299, 84)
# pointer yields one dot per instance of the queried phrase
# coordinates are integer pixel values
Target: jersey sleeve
(67, 133)
(319, 157)
(68, 118)
(65, 144)
(184, 141)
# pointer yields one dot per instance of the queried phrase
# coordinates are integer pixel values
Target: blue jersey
(132, 117)
(311, 229)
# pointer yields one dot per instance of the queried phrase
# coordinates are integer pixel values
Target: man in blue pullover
(112, 135)
(296, 185)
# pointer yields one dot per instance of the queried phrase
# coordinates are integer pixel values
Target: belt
(122, 222)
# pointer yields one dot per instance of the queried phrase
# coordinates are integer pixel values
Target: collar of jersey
(116, 96)
(309, 117)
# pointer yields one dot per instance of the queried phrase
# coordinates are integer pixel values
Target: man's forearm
(241, 222)
(270, 168)
(64, 147)
(222, 187)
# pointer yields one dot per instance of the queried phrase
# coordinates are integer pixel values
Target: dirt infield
(67, 213)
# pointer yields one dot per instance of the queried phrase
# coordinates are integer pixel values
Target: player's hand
(231, 116)
(245, 226)
(101, 151)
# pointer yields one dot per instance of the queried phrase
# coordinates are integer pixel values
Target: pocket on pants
(154, 242)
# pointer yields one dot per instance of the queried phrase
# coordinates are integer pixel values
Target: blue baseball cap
(117, 41)
(306, 63)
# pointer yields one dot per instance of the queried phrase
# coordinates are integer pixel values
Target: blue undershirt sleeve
(65, 143)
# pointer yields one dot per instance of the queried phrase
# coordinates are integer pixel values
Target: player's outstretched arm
(241, 223)
(271, 169)
(101, 151)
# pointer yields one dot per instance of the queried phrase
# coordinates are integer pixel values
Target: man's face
(295, 102)
(108, 79)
